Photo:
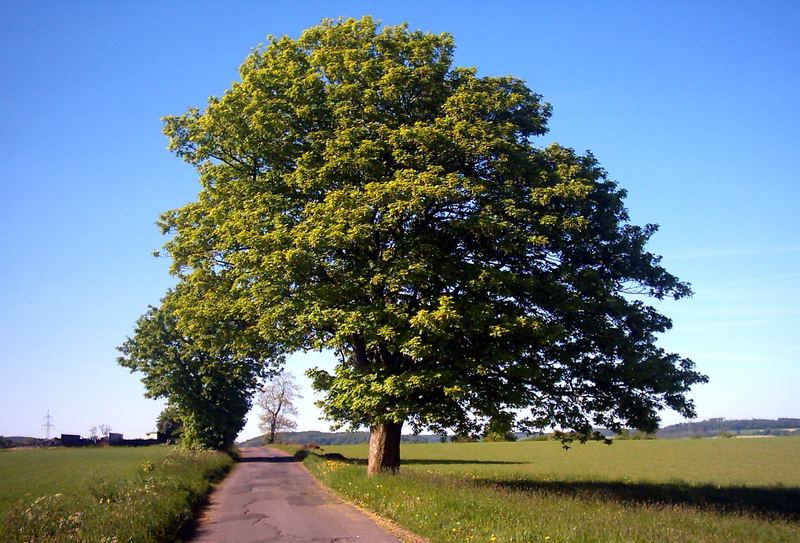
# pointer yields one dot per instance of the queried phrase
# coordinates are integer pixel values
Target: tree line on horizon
(716, 425)
(170, 427)
(705, 428)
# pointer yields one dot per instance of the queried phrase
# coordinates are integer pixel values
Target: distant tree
(104, 430)
(209, 384)
(463, 438)
(5, 443)
(94, 434)
(361, 194)
(169, 423)
(276, 400)
(635, 435)
(500, 428)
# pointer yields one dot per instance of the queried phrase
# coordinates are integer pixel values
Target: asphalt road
(269, 496)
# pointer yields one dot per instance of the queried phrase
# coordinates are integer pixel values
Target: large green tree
(361, 194)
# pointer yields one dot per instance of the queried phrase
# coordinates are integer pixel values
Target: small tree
(209, 384)
(277, 400)
(104, 430)
(94, 434)
(500, 428)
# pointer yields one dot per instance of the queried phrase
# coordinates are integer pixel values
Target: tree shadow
(776, 502)
(772, 502)
(272, 459)
(444, 462)
(422, 462)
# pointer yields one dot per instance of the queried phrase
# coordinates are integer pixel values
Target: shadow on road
(773, 502)
(271, 459)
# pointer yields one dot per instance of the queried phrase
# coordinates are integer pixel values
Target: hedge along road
(270, 497)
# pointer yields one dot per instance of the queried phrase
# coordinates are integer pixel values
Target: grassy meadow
(110, 494)
(702, 490)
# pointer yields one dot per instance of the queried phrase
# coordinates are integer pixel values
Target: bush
(497, 436)
(539, 437)
(637, 434)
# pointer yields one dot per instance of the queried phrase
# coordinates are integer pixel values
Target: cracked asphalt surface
(270, 497)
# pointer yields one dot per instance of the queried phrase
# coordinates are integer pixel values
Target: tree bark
(384, 448)
(360, 353)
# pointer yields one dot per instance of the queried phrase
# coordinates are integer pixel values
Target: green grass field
(98, 494)
(35, 472)
(651, 490)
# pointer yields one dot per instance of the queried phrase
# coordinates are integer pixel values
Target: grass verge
(467, 504)
(141, 501)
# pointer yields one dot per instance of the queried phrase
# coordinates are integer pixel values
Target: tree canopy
(363, 195)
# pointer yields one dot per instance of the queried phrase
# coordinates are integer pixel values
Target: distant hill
(334, 438)
(712, 427)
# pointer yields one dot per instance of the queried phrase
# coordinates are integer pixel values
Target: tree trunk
(273, 424)
(384, 448)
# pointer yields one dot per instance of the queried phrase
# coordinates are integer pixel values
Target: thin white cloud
(760, 279)
(729, 356)
(718, 253)
(731, 324)
(736, 311)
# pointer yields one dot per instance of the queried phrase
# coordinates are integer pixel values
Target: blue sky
(691, 106)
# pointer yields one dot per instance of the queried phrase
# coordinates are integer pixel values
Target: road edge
(403, 534)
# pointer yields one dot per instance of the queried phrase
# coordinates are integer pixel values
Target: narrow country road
(269, 496)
